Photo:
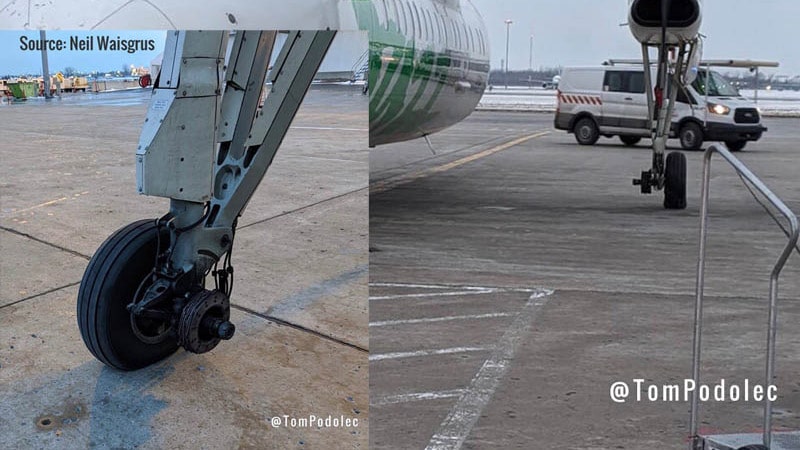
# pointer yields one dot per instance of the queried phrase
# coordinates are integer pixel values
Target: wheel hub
(204, 321)
(150, 326)
(689, 137)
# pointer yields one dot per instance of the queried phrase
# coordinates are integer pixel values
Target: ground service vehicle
(610, 101)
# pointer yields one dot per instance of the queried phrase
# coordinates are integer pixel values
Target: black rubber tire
(630, 140)
(586, 131)
(675, 181)
(735, 146)
(691, 136)
(754, 447)
(108, 286)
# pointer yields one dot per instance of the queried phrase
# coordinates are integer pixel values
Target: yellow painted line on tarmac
(51, 202)
(399, 180)
(13, 213)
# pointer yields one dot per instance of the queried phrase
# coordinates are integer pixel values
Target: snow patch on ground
(772, 103)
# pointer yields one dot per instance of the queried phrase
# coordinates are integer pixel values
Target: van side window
(624, 81)
(635, 82)
(614, 81)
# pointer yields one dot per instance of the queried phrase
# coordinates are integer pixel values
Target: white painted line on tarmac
(399, 180)
(432, 294)
(416, 397)
(461, 290)
(331, 129)
(419, 353)
(389, 323)
(458, 424)
(428, 286)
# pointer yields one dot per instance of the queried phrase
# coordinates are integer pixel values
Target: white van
(611, 101)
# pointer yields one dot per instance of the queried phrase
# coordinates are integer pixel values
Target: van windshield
(717, 85)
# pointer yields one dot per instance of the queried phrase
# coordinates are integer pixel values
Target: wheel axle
(222, 329)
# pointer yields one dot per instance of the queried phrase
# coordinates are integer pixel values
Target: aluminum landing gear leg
(206, 144)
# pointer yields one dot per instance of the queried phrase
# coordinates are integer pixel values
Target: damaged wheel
(121, 268)
(205, 321)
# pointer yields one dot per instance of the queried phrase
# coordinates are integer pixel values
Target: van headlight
(715, 108)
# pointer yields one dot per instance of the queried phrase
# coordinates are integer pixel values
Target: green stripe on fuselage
(406, 83)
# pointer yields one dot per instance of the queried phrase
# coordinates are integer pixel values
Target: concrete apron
(299, 296)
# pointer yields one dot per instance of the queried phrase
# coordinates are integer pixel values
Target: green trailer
(24, 89)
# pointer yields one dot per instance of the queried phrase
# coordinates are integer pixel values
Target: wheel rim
(117, 272)
(191, 331)
(585, 132)
(140, 331)
(149, 330)
(689, 138)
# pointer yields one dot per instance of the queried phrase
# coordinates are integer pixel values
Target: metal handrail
(773, 283)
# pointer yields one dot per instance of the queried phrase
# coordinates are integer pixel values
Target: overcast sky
(566, 32)
(587, 32)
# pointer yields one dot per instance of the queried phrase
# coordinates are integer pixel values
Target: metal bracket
(178, 156)
(242, 167)
(176, 148)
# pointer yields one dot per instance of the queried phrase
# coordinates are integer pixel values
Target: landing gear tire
(735, 146)
(691, 136)
(586, 132)
(630, 140)
(675, 181)
(122, 266)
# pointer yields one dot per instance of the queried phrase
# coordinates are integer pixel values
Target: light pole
(508, 36)
(530, 61)
(45, 69)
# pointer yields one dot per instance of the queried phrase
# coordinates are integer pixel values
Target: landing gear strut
(679, 47)
(206, 145)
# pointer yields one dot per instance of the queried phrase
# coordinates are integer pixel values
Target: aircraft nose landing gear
(143, 294)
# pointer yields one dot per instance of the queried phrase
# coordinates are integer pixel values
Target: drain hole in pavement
(45, 423)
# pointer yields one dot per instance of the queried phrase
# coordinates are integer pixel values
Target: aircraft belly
(410, 100)
(446, 110)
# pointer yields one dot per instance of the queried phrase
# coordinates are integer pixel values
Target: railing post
(772, 326)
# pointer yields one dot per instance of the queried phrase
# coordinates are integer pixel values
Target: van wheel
(586, 132)
(691, 136)
(735, 146)
(675, 181)
(630, 140)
